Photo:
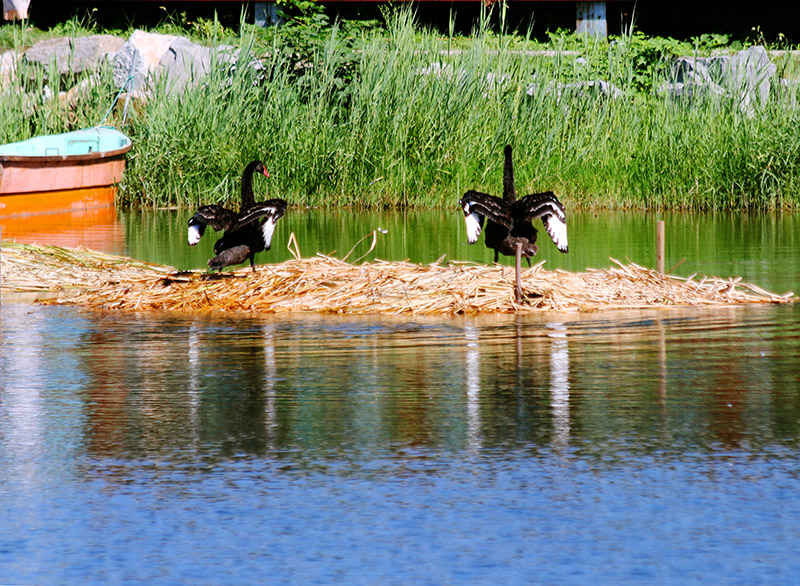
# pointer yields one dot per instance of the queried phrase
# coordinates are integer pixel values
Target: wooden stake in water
(660, 246)
(518, 289)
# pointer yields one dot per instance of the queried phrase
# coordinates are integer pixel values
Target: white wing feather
(473, 227)
(194, 234)
(267, 230)
(557, 229)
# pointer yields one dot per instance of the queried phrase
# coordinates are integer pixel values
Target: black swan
(246, 233)
(508, 220)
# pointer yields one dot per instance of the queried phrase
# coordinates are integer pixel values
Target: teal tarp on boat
(78, 142)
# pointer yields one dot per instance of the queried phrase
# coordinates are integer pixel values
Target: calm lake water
(624, 447)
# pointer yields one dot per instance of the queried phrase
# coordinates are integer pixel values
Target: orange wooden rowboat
(62, 172)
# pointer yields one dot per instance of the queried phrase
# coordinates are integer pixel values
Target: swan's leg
(496, 256)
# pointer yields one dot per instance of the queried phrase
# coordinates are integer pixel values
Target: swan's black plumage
(509, 220)
(245, 233)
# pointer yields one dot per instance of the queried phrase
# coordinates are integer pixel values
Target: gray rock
(74, 55)
(744, 76)
(183, 63)
(147, 58)
(8, 67)
(748, 74)
(695, 76)
(138, 59)
(696, 70)
(587, 89)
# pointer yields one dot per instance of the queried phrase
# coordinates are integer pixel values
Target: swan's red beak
(265, 173)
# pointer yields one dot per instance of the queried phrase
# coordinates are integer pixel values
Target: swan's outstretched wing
(547, 207)
(272, 210)
(477, 206)
(215, 216)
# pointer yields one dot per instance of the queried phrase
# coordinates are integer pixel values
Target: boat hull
(39, 174)
(59, 201)
(56, 174)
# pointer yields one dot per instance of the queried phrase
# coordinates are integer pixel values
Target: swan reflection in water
(193, 387)
(559, 381)
(270, 374)
(200, 365)
(473, 378)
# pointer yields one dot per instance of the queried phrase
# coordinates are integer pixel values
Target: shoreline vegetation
(393, 115)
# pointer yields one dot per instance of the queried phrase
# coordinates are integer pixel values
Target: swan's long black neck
(509, 192)
(248, 198)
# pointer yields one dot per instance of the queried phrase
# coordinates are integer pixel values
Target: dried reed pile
(26, 268)
(329, 285)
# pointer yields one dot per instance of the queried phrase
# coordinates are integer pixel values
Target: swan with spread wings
(245, 233)
(509, 221)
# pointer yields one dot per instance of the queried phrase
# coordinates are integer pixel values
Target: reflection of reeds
(328, 285)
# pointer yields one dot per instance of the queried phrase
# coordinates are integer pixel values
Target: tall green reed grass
(405, 122)
(36, 100)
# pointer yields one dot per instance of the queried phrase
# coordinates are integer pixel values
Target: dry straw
(329, 285)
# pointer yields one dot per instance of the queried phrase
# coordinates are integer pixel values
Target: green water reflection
(643, 381)
(761, 248)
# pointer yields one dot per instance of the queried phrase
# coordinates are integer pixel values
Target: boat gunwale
(86, 157)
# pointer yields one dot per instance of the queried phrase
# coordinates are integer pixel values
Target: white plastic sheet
(15, 9)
